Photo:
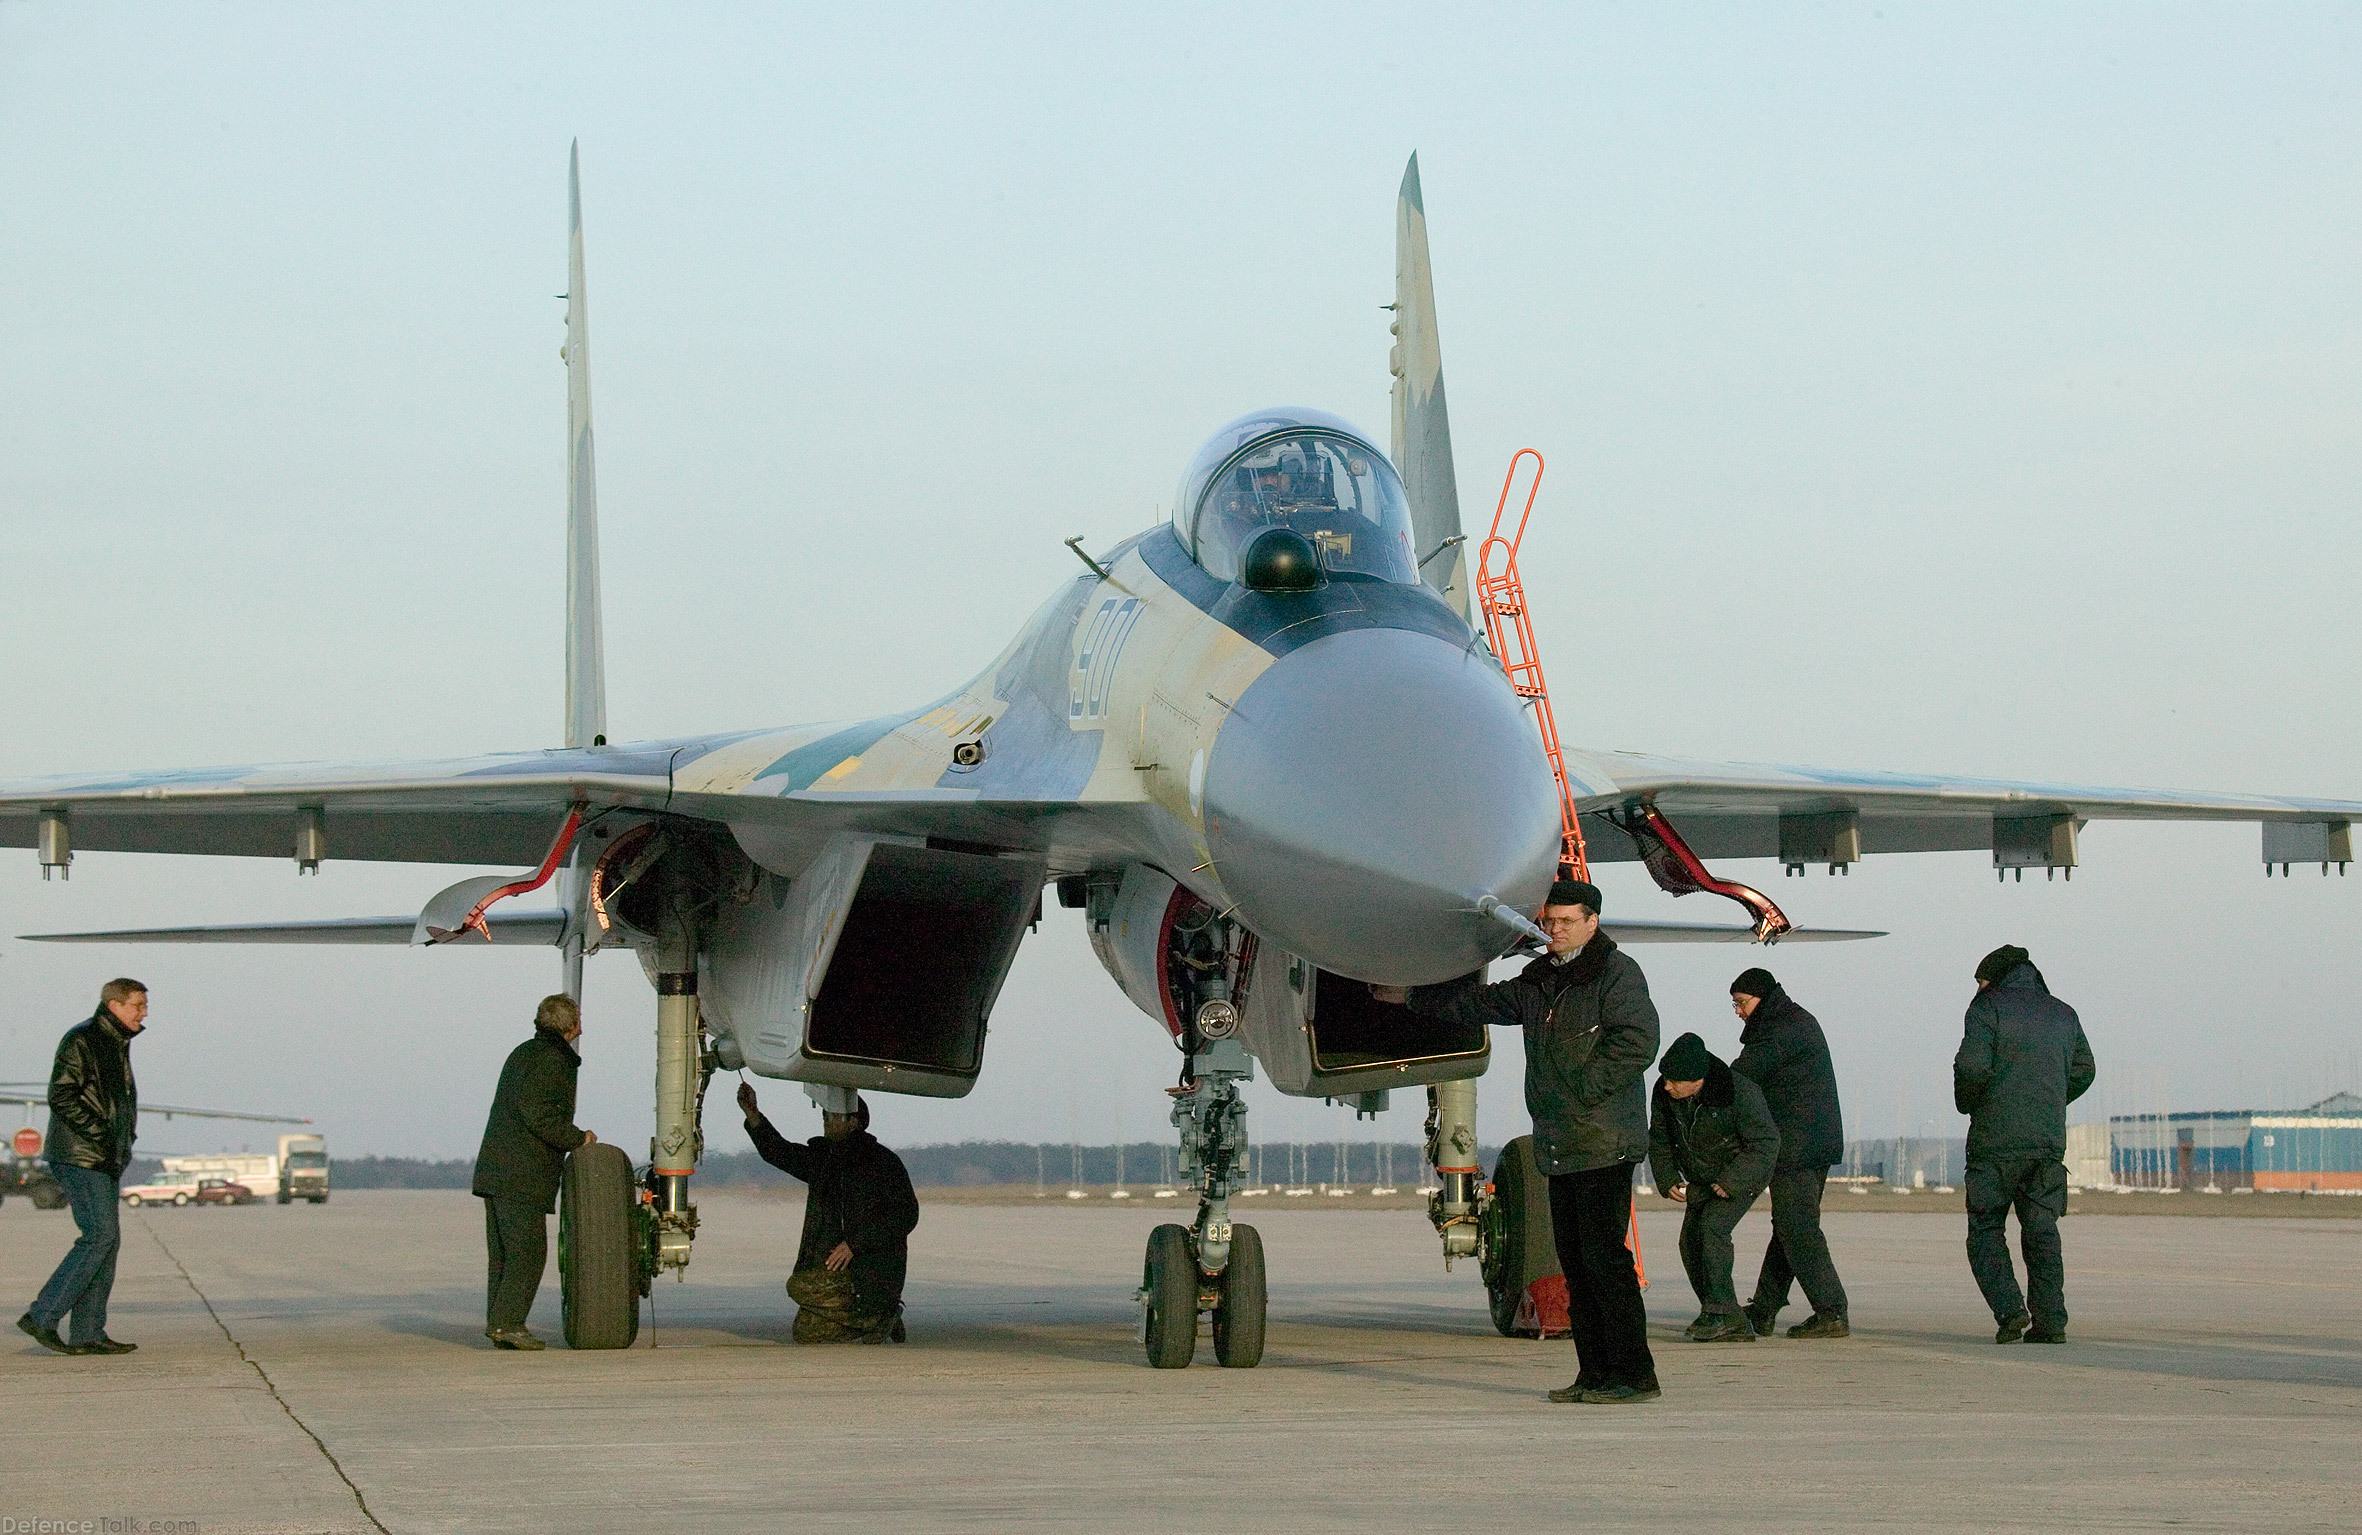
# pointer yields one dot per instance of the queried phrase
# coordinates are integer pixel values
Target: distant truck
(257, 1170)
(303, 1168)
(25, 1175)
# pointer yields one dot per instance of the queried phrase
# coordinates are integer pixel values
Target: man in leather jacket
(93, 1119)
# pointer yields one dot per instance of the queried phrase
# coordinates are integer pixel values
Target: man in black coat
(2022, 1060)
(859, 1212)
(1782, 1051)
(93, 1119)
(518, 1168)
(1712, 1146)
(1590, 1033)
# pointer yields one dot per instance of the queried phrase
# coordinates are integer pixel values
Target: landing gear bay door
(874, 967)
(1321, 1035)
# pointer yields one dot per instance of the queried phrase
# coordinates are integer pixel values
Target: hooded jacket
(93, 1098)
(1590, 1035)
(860, 1196)
(1783, 1051)
(2022, 1060)
(1723, 1133)
(531, 1127)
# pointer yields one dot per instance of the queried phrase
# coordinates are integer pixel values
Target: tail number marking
(1095, 657)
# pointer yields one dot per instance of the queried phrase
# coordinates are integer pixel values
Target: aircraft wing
(540, 927)
(1718, 932)
(171, 1110)
(480, 810)
(1821, 815)
(506, 809)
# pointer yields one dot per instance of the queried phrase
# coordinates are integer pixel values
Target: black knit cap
(1756, 982)
(1994, 966)
(1686, 1061)
(1574, 892)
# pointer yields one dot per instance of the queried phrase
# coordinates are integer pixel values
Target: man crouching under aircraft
(858, 1216)
(1590, 1034)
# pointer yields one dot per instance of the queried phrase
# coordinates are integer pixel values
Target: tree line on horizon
(967, 1164)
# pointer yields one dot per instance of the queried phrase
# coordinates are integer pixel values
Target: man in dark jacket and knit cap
(1712, 1146)
(1590, 1034)
(858, 1216)
(93, 1119)
(2022, 1060)
(526, 1138)
(1782, 1051)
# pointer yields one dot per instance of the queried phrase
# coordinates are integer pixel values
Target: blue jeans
(86, 1277)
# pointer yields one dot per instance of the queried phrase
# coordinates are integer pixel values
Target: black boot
(47, 1336)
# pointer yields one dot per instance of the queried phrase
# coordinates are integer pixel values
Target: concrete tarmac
(323, 1369)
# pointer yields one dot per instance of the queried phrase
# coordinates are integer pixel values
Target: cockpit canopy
(1304, 470)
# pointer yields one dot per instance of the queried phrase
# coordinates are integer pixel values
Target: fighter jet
(1261, 746)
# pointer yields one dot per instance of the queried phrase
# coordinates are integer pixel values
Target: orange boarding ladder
(1510, 629)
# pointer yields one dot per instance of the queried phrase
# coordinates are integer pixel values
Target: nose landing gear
(1211, 1266)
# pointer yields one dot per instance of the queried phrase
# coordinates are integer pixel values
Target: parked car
(221, 1191)
(169, 1189)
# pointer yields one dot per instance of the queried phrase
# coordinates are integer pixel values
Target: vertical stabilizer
(586, 649)
(586, 645)
(1422, 427)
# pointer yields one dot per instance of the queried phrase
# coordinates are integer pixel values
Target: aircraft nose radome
(1366, 791)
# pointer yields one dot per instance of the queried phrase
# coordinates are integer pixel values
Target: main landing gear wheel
(1519, 1248)
(1170, 1280)
(598, 1282)
(1238, 1316)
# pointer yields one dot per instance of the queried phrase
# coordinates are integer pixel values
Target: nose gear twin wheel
(1238, 1316)
(1170, 1283)
(1170, 1290)
(1518, 1248)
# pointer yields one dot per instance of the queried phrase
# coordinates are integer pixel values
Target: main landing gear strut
(1213, 1266)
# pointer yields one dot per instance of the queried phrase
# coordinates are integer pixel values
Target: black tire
(50, 1197)
(180, 1199)
(1520, 1248)
(597, 1288)
(132, 1200)
(1170, 1278)
(1238, 1317)
(284, 1196)
(323, 1199)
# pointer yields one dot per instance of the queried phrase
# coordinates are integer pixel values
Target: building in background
(1905, 1162)
(2317, 1149)
(2088, 1162)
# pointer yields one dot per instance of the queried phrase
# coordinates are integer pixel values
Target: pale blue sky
(1945, 388)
